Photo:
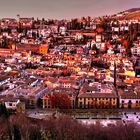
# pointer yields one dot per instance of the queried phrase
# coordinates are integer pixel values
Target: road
(125, 116)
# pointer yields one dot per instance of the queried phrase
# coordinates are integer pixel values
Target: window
(10, 104)
(137, 103)
(129, 104)
(80, 104)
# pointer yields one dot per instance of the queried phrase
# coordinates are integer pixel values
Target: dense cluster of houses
(81, 63)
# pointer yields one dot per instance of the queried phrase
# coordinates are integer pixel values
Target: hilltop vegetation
(131, 14)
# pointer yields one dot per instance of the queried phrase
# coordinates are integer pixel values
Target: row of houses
(96, 96)
(83, 93)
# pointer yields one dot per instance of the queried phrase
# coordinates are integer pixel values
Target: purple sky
(59, 9)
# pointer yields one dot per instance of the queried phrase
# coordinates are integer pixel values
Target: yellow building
(129, 98)
(96, 95)
(43, 49)
(97, 101)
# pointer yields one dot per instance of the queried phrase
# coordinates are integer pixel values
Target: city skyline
(64, 9)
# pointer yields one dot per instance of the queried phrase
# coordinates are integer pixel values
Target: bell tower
(18, 18)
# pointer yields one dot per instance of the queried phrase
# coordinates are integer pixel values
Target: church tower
(18, 18)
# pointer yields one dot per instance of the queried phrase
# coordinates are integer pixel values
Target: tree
(5, 133)
(16, 133)
(34, 133)
(64, 128)
(24, 124)
(60, 100)
(3, 111)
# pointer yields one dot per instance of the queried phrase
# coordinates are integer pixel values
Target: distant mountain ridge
(130, 14)
(133, 9)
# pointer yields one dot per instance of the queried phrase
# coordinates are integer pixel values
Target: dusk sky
(59, 9)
